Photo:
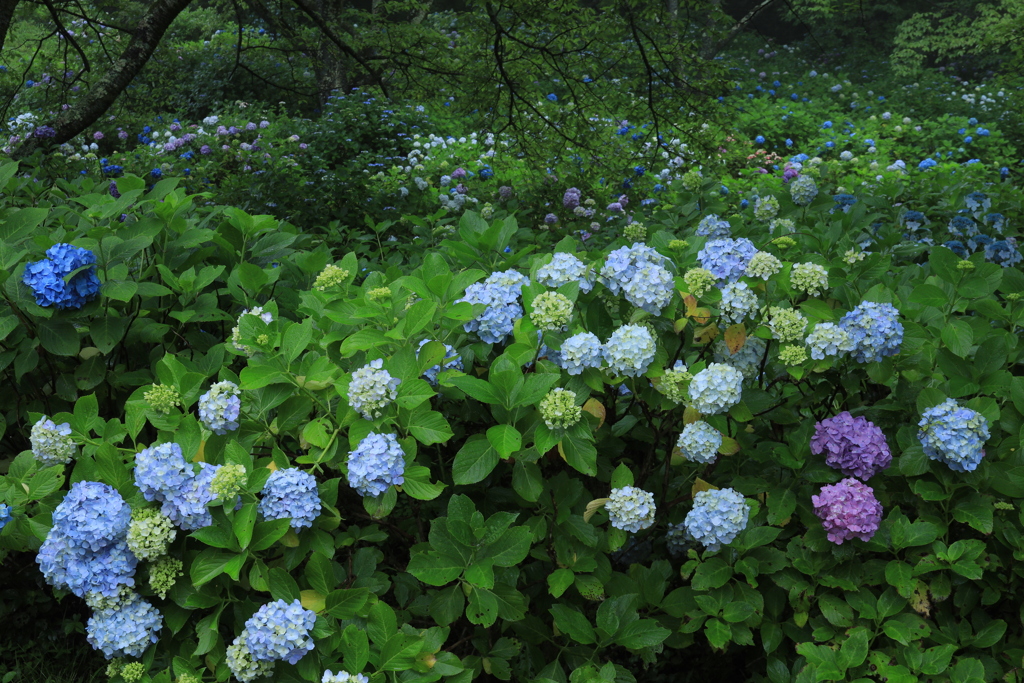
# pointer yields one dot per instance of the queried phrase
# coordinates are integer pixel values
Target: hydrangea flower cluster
(738, 302)
(266, 317)
(551, 311)
(962, 226)
(563, 269)
(163, 573)
(763, 265)
(149, 533)
(747, 360)
(791, 354)
(848, 510)
(852, 445)
(241, 663)
(639, 272)
(953, 434)
(124, 630)
(291, 493)
(228, 481)
(699, 442)
(786, 324)
(766, 208)
(716, 388)
(629, 351)
(874, 330)
(162, 398)
(785, 226)
(376, 463)
(699, 281)
(727, 259)
(635, 232)
(372, 389)
(558, 409)
(1003, 252)
(46, 277)
(5, 515)
(52, 443)
(451, 361)
(162, 474)
(803, 190)
(330, 276)
(713, 227)
(85, 551)
(717, 517)
(675, 383)
(630, 509)
(676, 540)
(343, 677)
(828, 339)
(219, 407)
(580, 351)
(809, 277)
(280, 630)
(500, 293)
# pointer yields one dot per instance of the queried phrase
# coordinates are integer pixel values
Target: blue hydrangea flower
(280, 631)
(241, 663)
(713, 227)
(629, 351)
(651, 288)
(376, 463)
(978, 203)
(997, 220)
(219, 407)
(564, 268)
(828, 339)
(738, 302)
(500, 293)
(46, 277)
(957, 247)
(699, 442)
(5, 515)
(914, 219)
(980, 242)
(727, 259)
(717, 518)
(953, 434)
(343, 677)
(926, 164)
(125, 630)
(1003, 252)
(162, 475)
(451, 361)
(962, 226)
(844, 202)
(630, 509)
(874, 330)
(52, 443)
(623, 264)
(747, 360)
(372, 389)
(580, 351)
(716, 388)
(803, 190)
(291, 493)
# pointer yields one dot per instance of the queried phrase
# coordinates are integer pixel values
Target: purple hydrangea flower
(851, 445)
(571, 198)
(848, 510)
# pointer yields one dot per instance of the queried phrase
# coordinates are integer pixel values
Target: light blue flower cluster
(727, 259)
(713, 227)
(451, 361)
(86, 550)
(953, 434)
(125, 629)
(639, 272)
(622, 265)
(46, 277)
(580, 351)
(716, 388)
(219, 407)
(962, 226)
(291, 493)
(241, 663)
(676, 540)
(747, 360)
(803, 190)
(500, 293)
(563, 269)
(630, 509)
(699, 442)
(874, 330)
(52, 443)
(1003, 252)
(372, 389)
(343, 677)
(738, 302)
(766, 208)
(978, 203)
(162, 474)
(376, 463)
(280, 631)
(629, 351)
(717, 517)
(5, 515)
(828, 339)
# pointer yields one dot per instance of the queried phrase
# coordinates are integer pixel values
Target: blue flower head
(579, 352)
(953, 434)
(279, 630)
(726, 258)
(717, 518)
(553, 97)
(874, 330)
(219, 407)
(376, 463)
(125, 629)
(46, 277)
(291, 493)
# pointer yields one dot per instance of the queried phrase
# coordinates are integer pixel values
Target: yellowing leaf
(735, 337)
(271, 466)
(593, 506)
(597, 409)
(313, 600)
(730, 446)
(680, 325)
(690, 415)
(290, 539)
(677, 456)
(201, 455)
(701, 485)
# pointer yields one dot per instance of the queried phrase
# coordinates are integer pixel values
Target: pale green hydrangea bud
(809, 277)
(792, 355)
(763, 265)
(699, 281)
(784, 242)
(766, 208)
(189, 678)
(786, 324)
(163, 573)
(783, 225)
(149, 533)
(635, 232)
(487, 211)
(98, 601)
(132, 672)
(162, 398)
(559, 409)
(1003, 505)
(114, 667)
(853, 256)
(675, 383)
(678, 245)
(965, 265)
(228, 481)
(551, 311)
(379, 294)
(330, 276)
(692, 180)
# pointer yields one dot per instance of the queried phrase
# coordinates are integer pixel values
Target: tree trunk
(330, 66)
(85, 112)
(6, 14)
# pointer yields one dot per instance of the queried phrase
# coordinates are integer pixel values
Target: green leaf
(505, 439)
(943, 263)
(208, 565)
(418, 316)
(320, 573)
(435, 568)
(244, 523)
(268, 533)
(346, 603)
(477, 388)
(355, 645)
(900, 576)
(573, 624)
(929, 295)
(641, 634)
(107, 331)
(430, 427)
(737, 611)
(713, 573)
(559, 581)
(119, 290)
(717, 632)
(577, 446)
(59, 337)
(968, 670)
(474, 461)
(511, 548)
(282, 585)
(958, 337)
(482, 608)
(976, 510)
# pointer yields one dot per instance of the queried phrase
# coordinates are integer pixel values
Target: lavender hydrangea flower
(874, 330)
(630, 509)
(280, 631)
(162, 475)
(848, 510)
(717, 518)
(699, 442)
(953, 434)
(376, 463)
(126, 629)
(727, 259)
(716, 388)
(851, 445)
(291, 493)
(623, 264)
(372, 389)
(52, 443)
(219, 407)
(580, 351)
(629, 351)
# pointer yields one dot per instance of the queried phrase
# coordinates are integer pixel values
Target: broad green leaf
(505, 439)
(474, 461)
(573, 624)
